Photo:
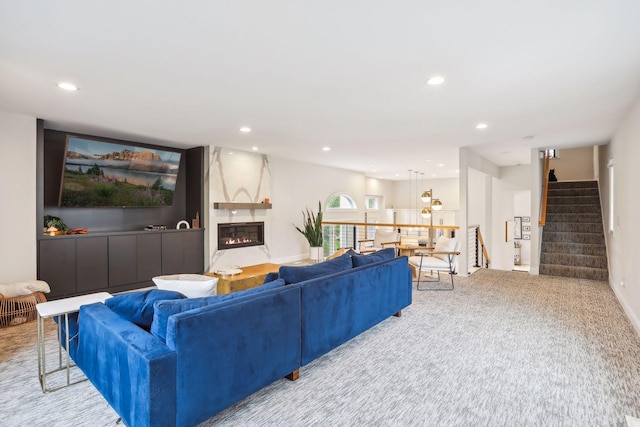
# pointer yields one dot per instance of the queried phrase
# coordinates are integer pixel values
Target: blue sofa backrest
(230, 350)
(337, 307)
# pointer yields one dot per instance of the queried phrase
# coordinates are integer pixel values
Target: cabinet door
(122, 260)
(92, 257)
(149, 254)
(57, 266)
(194, 252)
(172, 253)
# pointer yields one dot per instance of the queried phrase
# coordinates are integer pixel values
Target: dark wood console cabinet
(115, 262)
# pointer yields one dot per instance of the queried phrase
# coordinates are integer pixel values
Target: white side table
(58, 308)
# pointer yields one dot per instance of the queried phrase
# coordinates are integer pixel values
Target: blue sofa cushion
(163, 309)
(380, 255)
(270, 277)
(137, 307)
(296, 274)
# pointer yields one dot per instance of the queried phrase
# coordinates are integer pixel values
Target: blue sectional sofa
(178, 362)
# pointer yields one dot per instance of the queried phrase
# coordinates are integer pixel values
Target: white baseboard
(635, 322)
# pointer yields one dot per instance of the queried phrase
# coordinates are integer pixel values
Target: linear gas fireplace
(240, 235)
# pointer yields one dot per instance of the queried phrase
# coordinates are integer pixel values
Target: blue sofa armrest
(134, 370)
(229, 350)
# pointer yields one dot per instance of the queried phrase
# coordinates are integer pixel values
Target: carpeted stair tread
(574, 217)
(564, 192)
(573, 200)
(573, 227)
(590, 208)
(560, 236)
(556, 258)
(576, 272)
(573, 184)
(574, 248)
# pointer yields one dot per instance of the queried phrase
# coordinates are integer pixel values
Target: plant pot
(315, 253)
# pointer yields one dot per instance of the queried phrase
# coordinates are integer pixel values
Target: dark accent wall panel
(193, 250)
(149, 254)
(92, 257)
(189, 191)
(172, 253)
(123, 262)
(195, 179)
(57, 265)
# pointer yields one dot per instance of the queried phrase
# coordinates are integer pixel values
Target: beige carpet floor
(502, 349)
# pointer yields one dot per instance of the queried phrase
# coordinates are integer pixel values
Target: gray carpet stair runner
(573, 242)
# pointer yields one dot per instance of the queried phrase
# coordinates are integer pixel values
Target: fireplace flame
(238, 241)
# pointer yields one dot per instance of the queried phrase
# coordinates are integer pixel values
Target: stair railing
(478, 255)
(545, 190)
(484, 249)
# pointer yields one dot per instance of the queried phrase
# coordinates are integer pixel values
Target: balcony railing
(344, 234)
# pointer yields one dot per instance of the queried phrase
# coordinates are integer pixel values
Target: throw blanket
(23, 288)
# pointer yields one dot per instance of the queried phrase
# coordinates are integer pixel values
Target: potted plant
(312, 231)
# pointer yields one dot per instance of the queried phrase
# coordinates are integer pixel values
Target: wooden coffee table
(250, 277)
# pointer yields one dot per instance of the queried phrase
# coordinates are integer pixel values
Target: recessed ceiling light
(245, 129)
(435, 80)
(67, 86)
(482, 126)
(254, 148)
(441, 164)
(326, 148)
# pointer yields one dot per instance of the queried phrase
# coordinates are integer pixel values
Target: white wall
(622, 243)
(380, 187)
(514, 181)
(574, 164)
(470, 161)
(297, 186)
(18, 253)
(522, 208)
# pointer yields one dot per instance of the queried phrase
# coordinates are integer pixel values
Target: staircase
(573, 242)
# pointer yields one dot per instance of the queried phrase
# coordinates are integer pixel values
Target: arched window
(341, 201)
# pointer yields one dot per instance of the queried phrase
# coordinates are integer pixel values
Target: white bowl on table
(189, 285)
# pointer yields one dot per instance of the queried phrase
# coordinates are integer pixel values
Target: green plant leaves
(312, 226)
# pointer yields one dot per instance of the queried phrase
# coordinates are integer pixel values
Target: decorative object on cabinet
(183, 222)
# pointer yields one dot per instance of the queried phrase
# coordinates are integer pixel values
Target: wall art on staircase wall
(517, 232)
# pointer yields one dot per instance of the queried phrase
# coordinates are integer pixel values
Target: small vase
(315, 253)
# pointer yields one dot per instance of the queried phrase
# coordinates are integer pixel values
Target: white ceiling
(345, 74)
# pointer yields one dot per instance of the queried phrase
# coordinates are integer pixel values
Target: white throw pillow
(444, 244)
(189, 285)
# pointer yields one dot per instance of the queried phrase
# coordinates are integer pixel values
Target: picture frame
(526, 237)
(526, 219)
(517, 227)
(526, 228)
